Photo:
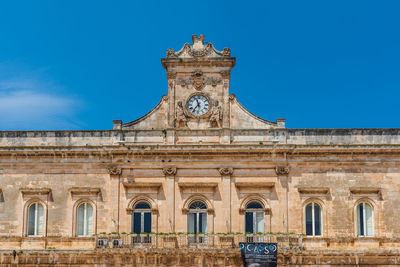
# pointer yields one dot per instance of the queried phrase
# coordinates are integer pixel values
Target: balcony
(290, 241)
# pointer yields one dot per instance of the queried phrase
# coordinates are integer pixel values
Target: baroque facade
(202, 168)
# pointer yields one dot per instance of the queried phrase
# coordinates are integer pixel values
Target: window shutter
(31, 220)
(360, 223)
(309, 222)
(191, 218)
(89, 217)
(317, 218)
(40, 222)
(369, 220)
(136, 222)
(147, 222)
(203, 222)
(249, 222)
(260, 222)
(79, 220)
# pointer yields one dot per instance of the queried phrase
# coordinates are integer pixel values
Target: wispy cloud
(28, 101)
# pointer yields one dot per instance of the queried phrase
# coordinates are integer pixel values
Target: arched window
(254, 221)
(365, 219)
(313, 219)
(197, 217)
(35, 219)
(141, 220)
(84, 220)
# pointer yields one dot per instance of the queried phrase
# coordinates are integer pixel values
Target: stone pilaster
(170, 191)
(226, 190)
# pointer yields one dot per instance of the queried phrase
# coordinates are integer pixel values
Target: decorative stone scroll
(198, 50)
(226, 171)
(282, 170)
(115, 171)
(169, 170)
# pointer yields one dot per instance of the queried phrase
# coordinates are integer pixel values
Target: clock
(198, 105)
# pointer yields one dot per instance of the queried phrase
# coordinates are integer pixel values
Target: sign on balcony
(259, 254)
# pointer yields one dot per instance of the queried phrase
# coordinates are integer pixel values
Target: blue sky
(81, 64)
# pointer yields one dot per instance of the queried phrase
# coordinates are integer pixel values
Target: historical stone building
(205, 172)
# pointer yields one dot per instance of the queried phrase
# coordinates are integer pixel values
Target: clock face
(198, 105)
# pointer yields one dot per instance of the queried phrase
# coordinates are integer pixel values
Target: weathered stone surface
(224, 157)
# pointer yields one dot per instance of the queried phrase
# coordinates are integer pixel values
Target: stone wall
(187, 258)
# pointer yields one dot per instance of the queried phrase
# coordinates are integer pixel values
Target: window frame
(27, 206)
(86, 203)
(323, 214)
(196, 213)
(142, 216)
(313, 203)
(254, 212)
(77, 204)
(357, 222)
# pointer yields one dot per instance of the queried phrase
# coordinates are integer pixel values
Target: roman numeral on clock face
(198, 105)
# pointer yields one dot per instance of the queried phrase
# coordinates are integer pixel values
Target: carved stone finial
(226, 171)
(226, 52)
(170, 52)
(169, 170)
(114, 171)
(281, 170)
(232, 97)
(196, 40)
(165, 98)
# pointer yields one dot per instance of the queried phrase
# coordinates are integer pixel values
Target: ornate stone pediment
(198, 50)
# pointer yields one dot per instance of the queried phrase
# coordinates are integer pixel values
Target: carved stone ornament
(170, 170)
(216, 116)
(225, 74)
(232, 97)
(226, 171)
(180, 116)
(281, 170)
(165, 98)
(171, 75)
(114, 171)
(198, 81)
(198, 49)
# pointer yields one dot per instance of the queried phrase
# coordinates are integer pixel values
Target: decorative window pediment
(255, 185)
(40, 193)
(85, 192)
(318, 192)
(371, 192)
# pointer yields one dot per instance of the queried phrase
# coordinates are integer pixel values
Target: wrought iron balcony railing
(289, 241)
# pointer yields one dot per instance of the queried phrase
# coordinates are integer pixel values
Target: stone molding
(226, 170)
(35, 191)
(225, 74)
(115, 171)
(84, 191)
(171, 75)
(282, 170)
(169, 170)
